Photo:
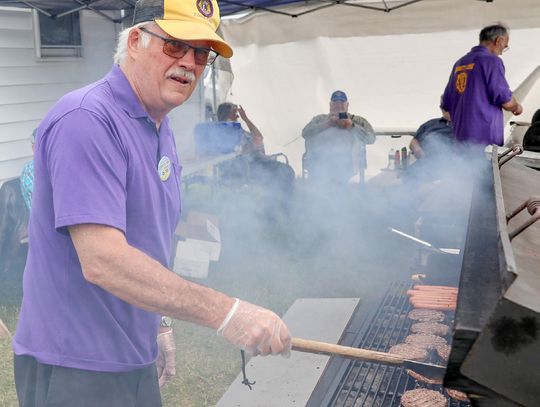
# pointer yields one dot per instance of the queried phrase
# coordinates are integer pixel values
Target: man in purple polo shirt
(477, 91)
(105, 206)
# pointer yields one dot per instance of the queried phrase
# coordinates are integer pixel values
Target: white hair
(121, 46)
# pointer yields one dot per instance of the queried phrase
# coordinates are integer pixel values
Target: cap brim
(191, 31)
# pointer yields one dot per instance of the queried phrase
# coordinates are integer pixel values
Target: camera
(343, 115)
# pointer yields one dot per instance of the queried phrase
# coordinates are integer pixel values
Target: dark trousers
(40, 385)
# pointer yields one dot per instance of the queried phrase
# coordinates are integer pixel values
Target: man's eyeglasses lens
(178, 49)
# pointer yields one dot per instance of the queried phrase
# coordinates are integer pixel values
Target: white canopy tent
(393, 66)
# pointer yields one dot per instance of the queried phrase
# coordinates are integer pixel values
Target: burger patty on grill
(409, 352)
(423, 398)
(426, 315)
(443, 350)
(431, 328)
(425, 341)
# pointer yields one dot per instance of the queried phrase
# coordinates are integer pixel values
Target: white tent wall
(394, 81)
(529, 93)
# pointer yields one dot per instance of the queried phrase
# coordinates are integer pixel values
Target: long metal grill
(373, 384)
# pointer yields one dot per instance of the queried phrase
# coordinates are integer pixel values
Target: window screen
(58, 37)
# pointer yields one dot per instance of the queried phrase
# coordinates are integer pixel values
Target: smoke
(335, 240)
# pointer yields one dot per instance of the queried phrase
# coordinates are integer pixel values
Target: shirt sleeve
(445, 99)
(27, 183)
(420, 134)
(429, 127)
(315, 126)
(498, 89)
(364, 131)
(87, 166)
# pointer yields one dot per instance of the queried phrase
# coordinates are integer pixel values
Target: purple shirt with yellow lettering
(474, 95)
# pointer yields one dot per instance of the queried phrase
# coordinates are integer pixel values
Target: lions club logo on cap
(205, 7)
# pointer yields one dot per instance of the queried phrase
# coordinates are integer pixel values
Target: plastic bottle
(404, 157)
(397, 159)
(391, 159)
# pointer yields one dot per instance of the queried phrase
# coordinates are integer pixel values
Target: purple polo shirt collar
(124, 95)
(480, 49)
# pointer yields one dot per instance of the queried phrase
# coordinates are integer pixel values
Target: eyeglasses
(178, 49)
(506, 47)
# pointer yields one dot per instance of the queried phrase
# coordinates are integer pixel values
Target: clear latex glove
(166, 361)
(256, 330)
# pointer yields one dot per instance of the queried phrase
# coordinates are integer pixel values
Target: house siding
(29, 86)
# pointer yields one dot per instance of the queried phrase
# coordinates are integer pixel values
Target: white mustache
(177, 71)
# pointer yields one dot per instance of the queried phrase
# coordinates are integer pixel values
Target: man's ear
(133, 43)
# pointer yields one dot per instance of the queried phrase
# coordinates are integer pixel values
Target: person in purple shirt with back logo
(477, 91)
(105, 206)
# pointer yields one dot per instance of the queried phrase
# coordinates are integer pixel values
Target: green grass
(8, 397)
(10, 298)
(343, 250)
(206, 365)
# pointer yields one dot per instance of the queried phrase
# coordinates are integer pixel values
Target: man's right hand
(256, 330)
(242, 113)
(513, 106)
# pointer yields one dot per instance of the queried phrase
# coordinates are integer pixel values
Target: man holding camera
(336, 143)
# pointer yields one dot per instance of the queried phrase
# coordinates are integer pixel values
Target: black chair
(328, 159)
(277, 156)
(531, 138)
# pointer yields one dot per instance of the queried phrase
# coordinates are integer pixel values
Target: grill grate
(367, 384)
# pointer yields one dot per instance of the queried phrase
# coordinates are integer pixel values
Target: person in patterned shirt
(27, 176)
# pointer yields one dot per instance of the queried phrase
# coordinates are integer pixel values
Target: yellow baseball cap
(185, 20)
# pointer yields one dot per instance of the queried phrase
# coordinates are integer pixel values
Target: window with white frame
(58, 37)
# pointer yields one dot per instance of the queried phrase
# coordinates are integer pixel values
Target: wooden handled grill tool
(425, 369)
